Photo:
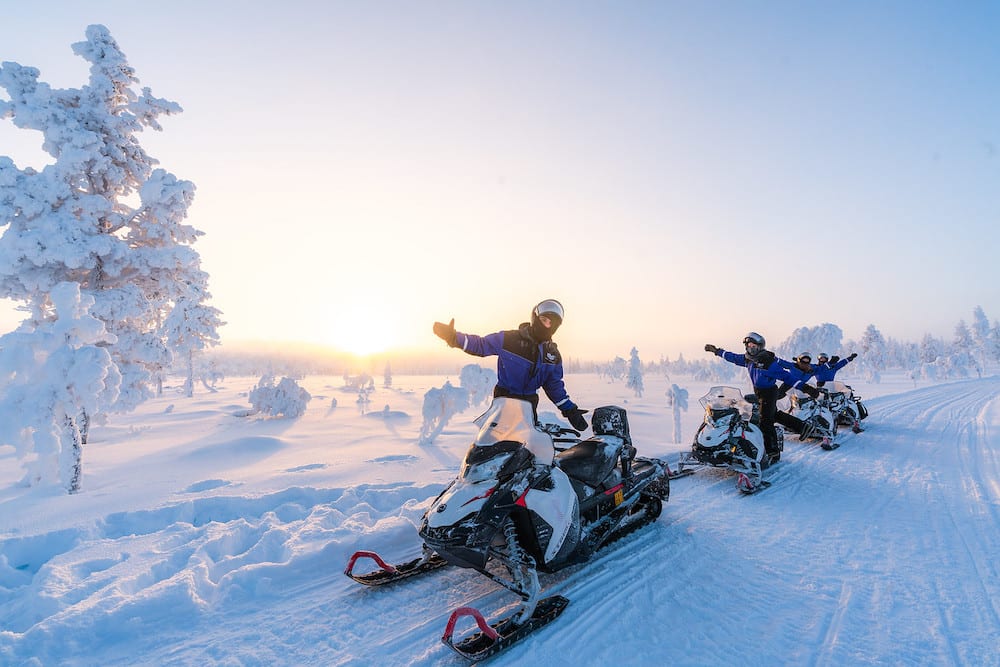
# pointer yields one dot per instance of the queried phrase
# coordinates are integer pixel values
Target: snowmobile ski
(389, 573)
(746, 485)
(493, 638)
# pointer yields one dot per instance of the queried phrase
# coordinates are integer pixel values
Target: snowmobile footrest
(675, 473)
(495, 637)
(390, 573)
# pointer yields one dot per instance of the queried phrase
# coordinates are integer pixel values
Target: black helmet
(753, 338)
(551, 309)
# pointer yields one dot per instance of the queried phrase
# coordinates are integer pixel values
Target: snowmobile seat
(611, 420)
(589, 461)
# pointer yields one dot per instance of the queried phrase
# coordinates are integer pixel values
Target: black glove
(810, 390)
(834, 359)
(852, 356)
(446, 332)
(575, 417)
(711, 348)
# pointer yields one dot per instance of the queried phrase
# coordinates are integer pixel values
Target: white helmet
(551, 309)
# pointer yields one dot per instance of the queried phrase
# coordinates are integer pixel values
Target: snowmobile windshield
(513, 419)
(723, 398)
(838, 386)
(497, 461)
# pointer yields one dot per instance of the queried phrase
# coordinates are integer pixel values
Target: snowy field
(206, 538)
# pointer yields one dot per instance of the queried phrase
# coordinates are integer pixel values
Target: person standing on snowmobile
(765, 371)
(827, 368)
(527, 359)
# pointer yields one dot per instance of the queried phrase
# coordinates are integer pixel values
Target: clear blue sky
(675, 172)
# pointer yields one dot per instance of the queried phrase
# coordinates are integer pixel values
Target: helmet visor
(551, 308)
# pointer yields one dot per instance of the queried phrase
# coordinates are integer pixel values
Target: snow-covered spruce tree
(981, 335)
(191, 326)
(100, 216)
(873, 353)
(962, 342)
(994, 344)
(52, 375)
(616, 369)
(930, 349)
(635, 373)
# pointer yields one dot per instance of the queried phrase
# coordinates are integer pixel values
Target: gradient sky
(675, 172)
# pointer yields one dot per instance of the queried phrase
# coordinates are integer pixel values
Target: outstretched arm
(732, 358)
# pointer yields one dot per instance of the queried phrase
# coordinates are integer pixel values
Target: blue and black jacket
(765, 371)
(826, 372)
(797, 372)
(523, 365)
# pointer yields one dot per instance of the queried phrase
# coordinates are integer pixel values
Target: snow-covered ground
(202, 537)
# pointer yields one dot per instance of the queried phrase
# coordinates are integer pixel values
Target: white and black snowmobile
(846, 405)
(518, 508)
(817, 416)
(730, 437)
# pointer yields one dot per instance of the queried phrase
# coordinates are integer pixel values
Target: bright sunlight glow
(361, 329)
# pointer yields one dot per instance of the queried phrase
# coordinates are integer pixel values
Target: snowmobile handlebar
(556, 430)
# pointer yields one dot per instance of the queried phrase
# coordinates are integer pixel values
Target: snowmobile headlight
(488, 469)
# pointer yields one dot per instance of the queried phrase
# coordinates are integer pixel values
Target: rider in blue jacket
(828, 366)
(800, 367)
(826, 371)
(527, 359)
(765, 372)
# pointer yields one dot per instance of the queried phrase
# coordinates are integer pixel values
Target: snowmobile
(521, 505)
(846, 405)
(730, 437)
(818, 421)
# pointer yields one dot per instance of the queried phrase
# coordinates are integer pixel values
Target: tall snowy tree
(981, 335)
(962, 342)
(994, 344)
(191, 326)
(53, 376)
(873, 355)
(101, 215)
(635, 373)
(930, 349)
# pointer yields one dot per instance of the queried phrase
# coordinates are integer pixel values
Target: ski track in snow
(883, 551)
